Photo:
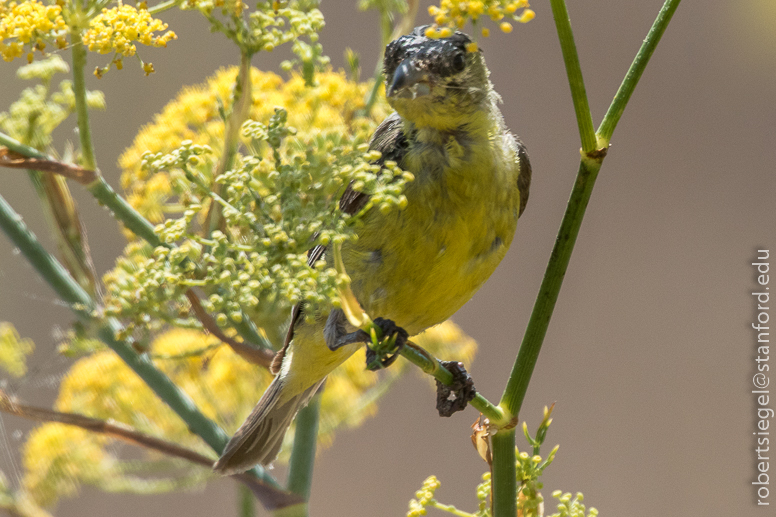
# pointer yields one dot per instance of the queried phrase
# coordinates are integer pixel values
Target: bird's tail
(259, 438)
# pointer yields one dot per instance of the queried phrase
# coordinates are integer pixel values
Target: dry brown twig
(15, 160)
(270, 497)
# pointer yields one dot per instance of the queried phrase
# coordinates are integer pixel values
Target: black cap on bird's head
(428, 77)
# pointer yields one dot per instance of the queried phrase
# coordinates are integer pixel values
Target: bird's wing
(390, 140)
(524, 176)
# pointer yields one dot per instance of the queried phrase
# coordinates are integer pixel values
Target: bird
(415, 267)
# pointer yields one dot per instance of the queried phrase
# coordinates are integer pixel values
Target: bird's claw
(377, 356)
(453, 398)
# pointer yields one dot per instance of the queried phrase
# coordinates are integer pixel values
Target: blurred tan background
(650, 353)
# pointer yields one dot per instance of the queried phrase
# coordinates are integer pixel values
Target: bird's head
(435, 82)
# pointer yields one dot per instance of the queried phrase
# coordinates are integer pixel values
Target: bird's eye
(459, 62)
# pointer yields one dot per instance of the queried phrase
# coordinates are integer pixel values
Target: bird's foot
(383, 352)
(455, 397)
(359, 336)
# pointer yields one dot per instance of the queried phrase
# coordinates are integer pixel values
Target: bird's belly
(422, 265)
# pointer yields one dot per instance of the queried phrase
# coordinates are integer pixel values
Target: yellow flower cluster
(194, 115)
(58, 458)
(116, 30)
(29, 25)
(452, 14)
(13, 350)
(225, 387)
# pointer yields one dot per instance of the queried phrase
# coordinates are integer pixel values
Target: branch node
(455, 397)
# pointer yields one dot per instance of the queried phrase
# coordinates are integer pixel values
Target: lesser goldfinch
(413, 267)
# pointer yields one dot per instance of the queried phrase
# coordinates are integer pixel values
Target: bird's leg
(379, 353)
(455, 397)
(336, 332)
(384, 353)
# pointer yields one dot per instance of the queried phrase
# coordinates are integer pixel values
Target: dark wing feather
(524, 177)
(390, 140)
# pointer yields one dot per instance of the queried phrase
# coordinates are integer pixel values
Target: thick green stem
(79, 90)
(107, 329)
(300, 468)
(513, 396)
(504, 480)
(625, 91)
(574, 72)
(593, 155)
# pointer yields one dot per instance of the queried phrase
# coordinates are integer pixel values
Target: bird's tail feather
(259, 438)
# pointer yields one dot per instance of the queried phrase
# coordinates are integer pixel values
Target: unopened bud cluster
(276, 204)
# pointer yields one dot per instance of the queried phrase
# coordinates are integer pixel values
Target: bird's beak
(408, 82)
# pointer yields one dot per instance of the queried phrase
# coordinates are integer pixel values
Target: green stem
(374, 91)
(247, 502)
(449, 509)
(298, 510)
(300, 468)
(513, 396)
(20, 148)
(107, 329)
(123, 211)
(574, 72)
(432, 366)
(239, 111)
(514, 393)
(504, 480)
(162, 6)
(79, 90)
(625, 91)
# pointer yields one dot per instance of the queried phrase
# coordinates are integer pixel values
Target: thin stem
(625, 91)
(403, 27)
(123, 211)
(449, 509)
(504, 479)
(239, 111)
(260, 356)
(79, 90)
(247, 502)
(299, 510)
(300, 468)
(14, 160)
(20, 148)
(163, 6)
(127, 434)
(574, 72)
(431, 365)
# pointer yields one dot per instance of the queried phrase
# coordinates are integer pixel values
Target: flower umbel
(119, 28)
(453, 14)
(29, 26)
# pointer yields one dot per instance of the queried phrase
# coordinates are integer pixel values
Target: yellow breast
(420, 265)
